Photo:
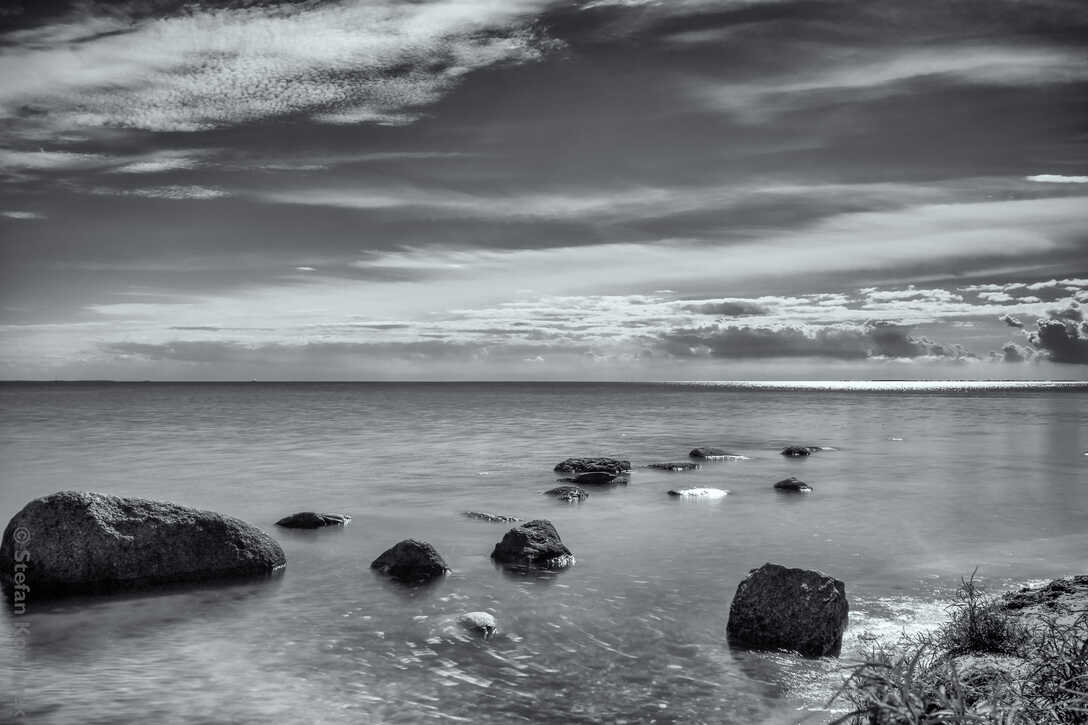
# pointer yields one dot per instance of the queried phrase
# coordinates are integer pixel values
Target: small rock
(793, 609)
(713, 454)
(533, 544)
(584, 465)
(797, 451)
(570, 494)
(479, 623)
(699, 492)
(793, 485)
(493, 518)
(311, 520)
(411, 561)
(681, 466)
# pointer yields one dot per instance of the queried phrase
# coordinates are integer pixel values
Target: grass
(982, 666)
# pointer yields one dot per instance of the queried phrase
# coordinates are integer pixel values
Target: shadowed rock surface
(586, 465)
(84, 542)
(598, 478)
(797, 451)
(493, 518)
(533, 544)
(311, 520)
(793, 485)
(411, 561)
(570, 494)
(776, 607)
(680, 466)
(482, 624)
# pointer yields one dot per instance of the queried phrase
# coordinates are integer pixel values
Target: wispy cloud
(22, 215)
(1057, 179)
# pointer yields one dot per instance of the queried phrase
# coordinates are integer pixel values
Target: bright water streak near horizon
(923, 487)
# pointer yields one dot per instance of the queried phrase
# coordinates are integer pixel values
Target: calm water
(924, 487)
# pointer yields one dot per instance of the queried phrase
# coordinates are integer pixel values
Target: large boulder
(614, 466)
(793, 484)
(534, 544)
(776, 607)
(570, 494)
(84, 542)
(312, 520)
(411, 561)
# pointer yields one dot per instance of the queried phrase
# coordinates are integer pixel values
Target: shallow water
(924, 486)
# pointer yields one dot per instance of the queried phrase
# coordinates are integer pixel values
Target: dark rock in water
(797, 451)
(311, 520)
(793, 485)
(533, 544)
(493, 518)
(83, 542)
(682, 466)
(479, 623)
(710, 453)
(411, 561)
(793, 609)
(597, 478)
(570, 494)
(585, 465)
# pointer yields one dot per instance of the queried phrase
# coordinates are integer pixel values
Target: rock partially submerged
(1061, 599)
(481, 624)
(793, 484)
(677, 466)
(776, 607)
(699, 492)
(312, 520)
(570, 494)
(798, 451)
(411, 561)
(614, 466)
(534, 544)
(598, 478)
(84, 542)
(716, 454)
(493, 518)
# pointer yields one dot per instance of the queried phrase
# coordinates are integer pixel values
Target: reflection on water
(922, 488)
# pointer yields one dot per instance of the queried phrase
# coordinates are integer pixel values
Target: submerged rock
(82, 542)
(411, 561)
(699, 492)
(678, 466)
(570, 494)
(793, 485)
(533, 544)
(796, 451)
(614, 466)
(311, 520)
(715, 454)
(479, 623)
(597, 478)
(493, 518)
(776, 607)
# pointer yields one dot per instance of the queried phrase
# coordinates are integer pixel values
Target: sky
(525, 189)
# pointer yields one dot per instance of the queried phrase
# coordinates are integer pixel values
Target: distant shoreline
(767, 385)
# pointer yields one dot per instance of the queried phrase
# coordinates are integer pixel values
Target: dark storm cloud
(1062, 337)
(1013, 353)
(877, 339)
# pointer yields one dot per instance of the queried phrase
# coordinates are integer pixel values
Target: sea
(917, 485)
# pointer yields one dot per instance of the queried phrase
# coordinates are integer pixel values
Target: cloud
(174, 191)
(1057, 179)
(1010, 320)
(1013, 353)
(357, 61)
(161, 162)
(729, 308)
(22, 215)
(840, 342)
(1063, 336)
